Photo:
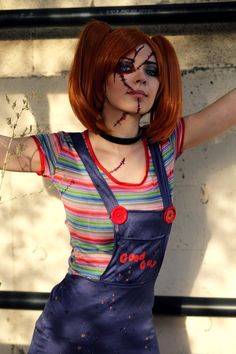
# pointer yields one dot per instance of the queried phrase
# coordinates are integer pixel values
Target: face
(133, 87)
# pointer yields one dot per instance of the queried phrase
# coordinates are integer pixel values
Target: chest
(127, 166)
(79, 194)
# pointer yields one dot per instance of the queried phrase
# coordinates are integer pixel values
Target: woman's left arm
(211, 121)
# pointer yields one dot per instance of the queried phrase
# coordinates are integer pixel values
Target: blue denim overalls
(112, 315)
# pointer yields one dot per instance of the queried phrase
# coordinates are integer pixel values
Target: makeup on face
(133, 86)
(139, 61)
(127, 66)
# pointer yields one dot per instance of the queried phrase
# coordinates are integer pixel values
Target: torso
(90, 227)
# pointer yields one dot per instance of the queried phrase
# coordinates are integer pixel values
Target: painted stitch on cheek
(119, 166)
(119, 121)
(131, 89)
(125, 83)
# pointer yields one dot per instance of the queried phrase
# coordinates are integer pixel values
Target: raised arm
(19, 154)
(211, 121)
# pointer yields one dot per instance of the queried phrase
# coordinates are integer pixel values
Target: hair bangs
(117, 45)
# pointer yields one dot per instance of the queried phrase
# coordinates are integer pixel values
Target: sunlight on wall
(17, 326)
(62, 116)
(218, 333)
(218, 269)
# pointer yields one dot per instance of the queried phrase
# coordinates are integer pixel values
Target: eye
(151, 70)
(125, 66)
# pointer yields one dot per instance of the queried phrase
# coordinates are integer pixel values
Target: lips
(137, 93)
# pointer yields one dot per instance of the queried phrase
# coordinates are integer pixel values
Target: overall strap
(161, 174)
(101, 185)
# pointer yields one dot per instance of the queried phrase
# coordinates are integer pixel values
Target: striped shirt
(90, 228)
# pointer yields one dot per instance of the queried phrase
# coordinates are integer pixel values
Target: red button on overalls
(170, 214)
(119, 215)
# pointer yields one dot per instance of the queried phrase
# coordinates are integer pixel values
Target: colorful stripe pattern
(91, 231)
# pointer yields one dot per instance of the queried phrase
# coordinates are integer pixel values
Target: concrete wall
(200, 260)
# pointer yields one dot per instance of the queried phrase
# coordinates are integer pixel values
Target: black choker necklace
(122, 141)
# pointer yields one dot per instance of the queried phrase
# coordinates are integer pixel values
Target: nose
(140, 77)
(141, 81)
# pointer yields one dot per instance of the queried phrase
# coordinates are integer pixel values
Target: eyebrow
(130, 59)
(150, 62)
(145, 62)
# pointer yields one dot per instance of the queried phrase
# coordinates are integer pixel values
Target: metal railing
(164, 305)
(121, 15)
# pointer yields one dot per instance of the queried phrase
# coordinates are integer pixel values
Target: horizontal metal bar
(164, 305)
(121, 15)
(23, 300)
(195, 306)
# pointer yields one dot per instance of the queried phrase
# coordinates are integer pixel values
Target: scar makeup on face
(133, 85)
(125, 82)
(139, 107)
(137, 50)
(127, 66)
(147, 61)
(120, 120)
(119, 166)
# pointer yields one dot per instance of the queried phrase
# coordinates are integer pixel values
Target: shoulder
(58, 140)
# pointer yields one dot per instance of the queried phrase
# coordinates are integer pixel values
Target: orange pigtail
(81, 92)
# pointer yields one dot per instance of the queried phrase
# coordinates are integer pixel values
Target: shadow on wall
(24, 196)
(205, 198)
(13, 349)
(203, 174)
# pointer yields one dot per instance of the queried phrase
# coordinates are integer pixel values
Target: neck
(122, 125)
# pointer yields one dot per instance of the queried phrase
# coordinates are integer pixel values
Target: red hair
(98, 52)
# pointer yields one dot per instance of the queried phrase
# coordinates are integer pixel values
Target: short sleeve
(49, 147)
(172, 148)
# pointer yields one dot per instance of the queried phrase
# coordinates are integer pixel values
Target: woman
(116, 183)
